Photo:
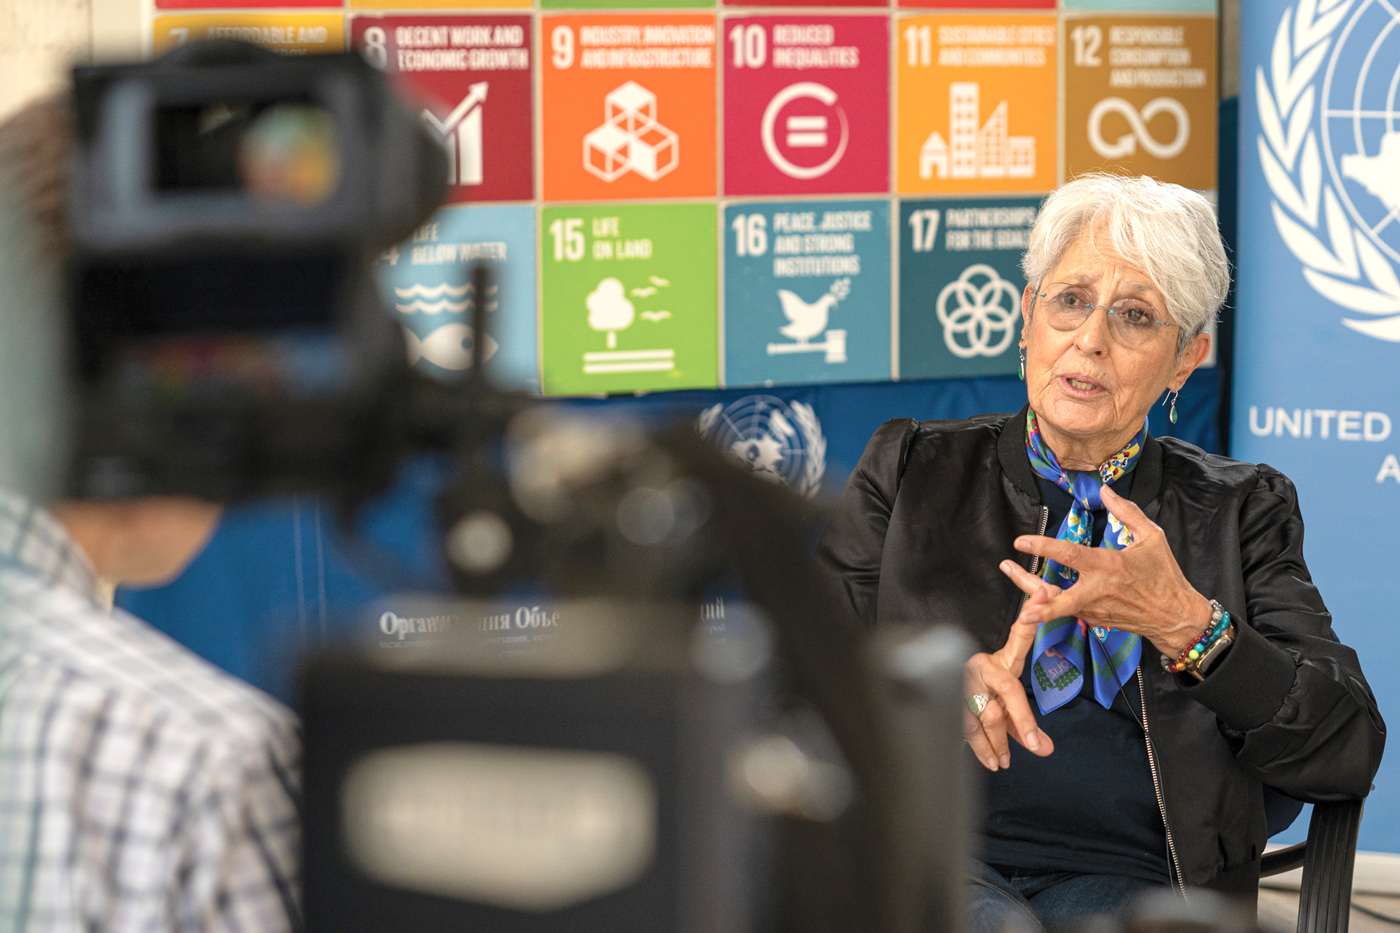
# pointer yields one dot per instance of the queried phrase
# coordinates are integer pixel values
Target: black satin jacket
(933, 507)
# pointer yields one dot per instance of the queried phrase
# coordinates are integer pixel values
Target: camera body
(585, 781)
(228, 341)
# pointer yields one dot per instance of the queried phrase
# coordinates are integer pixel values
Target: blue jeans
(1027, 903)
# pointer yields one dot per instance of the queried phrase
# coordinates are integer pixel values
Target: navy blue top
(1090, 806)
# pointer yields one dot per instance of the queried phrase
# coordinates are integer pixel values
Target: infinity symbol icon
(1127, 144)
(979, 324)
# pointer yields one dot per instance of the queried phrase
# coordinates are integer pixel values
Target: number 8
(375, 52)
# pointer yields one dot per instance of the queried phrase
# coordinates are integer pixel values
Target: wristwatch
(1200, 667)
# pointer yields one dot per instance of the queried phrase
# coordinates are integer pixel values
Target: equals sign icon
(806, 132)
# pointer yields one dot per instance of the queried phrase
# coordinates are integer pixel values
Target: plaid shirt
(141, 789)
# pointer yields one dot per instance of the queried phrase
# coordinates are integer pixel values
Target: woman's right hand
(998, 675)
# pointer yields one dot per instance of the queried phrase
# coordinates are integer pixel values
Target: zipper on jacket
(1035, 558)
(1157, 786)
(1146, 733)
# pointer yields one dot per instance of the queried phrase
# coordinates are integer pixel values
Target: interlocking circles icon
(983, 320)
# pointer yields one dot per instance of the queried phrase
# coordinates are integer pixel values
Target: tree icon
(609, 309)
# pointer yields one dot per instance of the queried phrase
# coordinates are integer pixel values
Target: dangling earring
(1022, 354)
(1171, 396)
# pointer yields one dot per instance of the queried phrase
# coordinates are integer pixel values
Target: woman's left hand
(1138, 589)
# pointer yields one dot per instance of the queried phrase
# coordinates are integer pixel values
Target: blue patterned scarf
(1059, 645)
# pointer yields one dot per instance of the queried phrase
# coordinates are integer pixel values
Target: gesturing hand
(998, 676)
(1138, 589)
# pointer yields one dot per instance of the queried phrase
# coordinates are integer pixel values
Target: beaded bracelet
(1219, 624)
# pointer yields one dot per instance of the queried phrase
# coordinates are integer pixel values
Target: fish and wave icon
(448, 346)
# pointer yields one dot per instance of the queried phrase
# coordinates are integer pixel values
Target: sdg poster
(471, 78)
(628, 106)
(427, 281)
(630, 300)
(976, 101)
(806, 105)
(960, 286)
(807, 292)
(1140, 97)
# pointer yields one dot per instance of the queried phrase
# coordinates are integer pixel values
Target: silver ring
(978, 702)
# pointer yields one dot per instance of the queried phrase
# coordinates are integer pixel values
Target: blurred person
(1148, 599)
(140, 787)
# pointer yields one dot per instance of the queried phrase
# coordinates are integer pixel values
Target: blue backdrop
(281, 577)
(1317, 351)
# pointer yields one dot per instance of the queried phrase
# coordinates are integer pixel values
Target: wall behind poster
(788, 222)
(1317, 368)
(282, 577)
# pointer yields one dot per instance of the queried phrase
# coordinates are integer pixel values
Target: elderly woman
(1154, 652)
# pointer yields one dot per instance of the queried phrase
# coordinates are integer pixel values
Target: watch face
(1215, 652)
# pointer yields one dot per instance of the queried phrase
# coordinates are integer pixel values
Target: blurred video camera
(645, 765)
(228, 339)
(641, 770)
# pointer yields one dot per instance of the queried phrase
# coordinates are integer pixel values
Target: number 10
(750, 46)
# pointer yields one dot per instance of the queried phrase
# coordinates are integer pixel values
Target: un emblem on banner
(1341, 220)
(779, 441)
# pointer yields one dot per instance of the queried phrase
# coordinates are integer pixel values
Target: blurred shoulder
(78, 657)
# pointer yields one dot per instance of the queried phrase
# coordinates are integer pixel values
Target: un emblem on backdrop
(780, 441)
(1330, 152)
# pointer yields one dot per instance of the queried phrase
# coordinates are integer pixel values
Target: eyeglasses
(1131, 322)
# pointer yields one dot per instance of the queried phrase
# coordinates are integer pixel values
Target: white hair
(1166, 230)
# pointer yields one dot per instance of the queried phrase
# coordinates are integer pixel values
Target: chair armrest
(1281, 860)
(1324, 903)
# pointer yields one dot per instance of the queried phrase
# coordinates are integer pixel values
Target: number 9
(562, 41)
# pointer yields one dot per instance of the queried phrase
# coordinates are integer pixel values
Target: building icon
(630, 139)
(973, 151)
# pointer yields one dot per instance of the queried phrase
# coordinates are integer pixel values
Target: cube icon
(653, 152)
(631, 107)
(630, 139)
(605, 152)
